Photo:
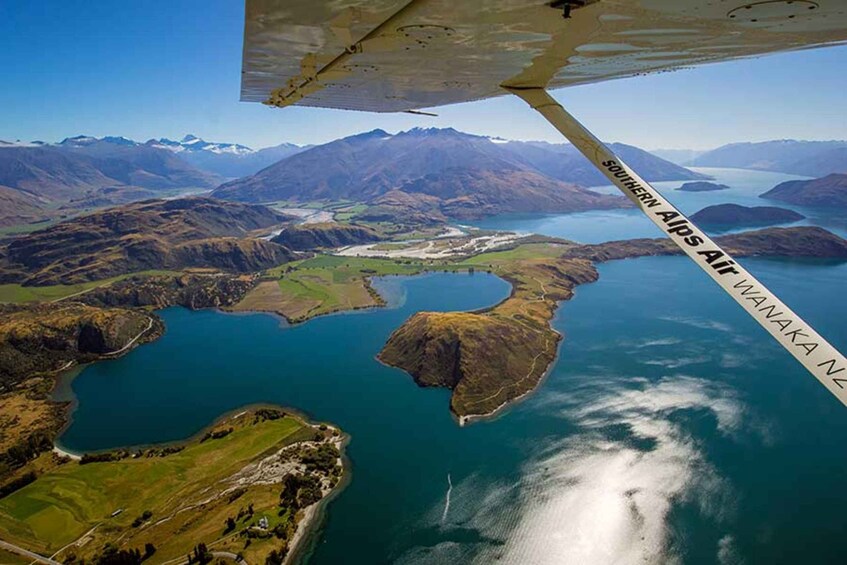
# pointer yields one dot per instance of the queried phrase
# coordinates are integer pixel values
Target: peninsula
(247, 486)
(825, 192)
(491, 358)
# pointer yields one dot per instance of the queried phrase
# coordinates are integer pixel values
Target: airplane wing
(401, 55)
(397, 55)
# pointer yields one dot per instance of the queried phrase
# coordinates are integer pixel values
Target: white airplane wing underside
(396, 55)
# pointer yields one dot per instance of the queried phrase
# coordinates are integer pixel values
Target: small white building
(263, 522)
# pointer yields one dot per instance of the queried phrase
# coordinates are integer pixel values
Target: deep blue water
(671, 429)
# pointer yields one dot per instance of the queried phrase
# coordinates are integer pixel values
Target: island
(825, 192)
(735, 215)
(702, 186)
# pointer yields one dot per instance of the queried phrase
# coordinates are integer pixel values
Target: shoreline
(310, 526)
(233, 413)
(387, 304)
(501, 409)
(309, 530)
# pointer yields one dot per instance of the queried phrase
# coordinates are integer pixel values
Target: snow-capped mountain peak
(193, 143)
(19, 143)
(119, 140)
(78, 140)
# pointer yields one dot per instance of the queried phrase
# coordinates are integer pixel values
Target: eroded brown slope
(39, 341)
(307, 237)
(154, 234)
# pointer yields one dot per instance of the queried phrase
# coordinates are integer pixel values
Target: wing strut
(820, 358)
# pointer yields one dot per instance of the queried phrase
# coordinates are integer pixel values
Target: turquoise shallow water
(671, 429)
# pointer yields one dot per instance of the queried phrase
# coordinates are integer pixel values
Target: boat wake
(447, 500)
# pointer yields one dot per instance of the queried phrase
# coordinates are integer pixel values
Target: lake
(597, 226)
(671, 429)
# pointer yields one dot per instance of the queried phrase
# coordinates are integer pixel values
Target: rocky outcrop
(475, 355)
(193, 291)
(308, 237)
(44, 338)
(150, 235)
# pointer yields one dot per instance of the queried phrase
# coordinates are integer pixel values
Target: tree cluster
(17, 484)
(217, 434)
(111, 555)
(201, 555)
(26, 450)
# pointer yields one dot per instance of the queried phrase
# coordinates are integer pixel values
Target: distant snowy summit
(189, 143)
(19, 143)
(194, 143)
(227, 160)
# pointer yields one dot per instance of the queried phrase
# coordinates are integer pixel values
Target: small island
(731, 215)
(702, 186)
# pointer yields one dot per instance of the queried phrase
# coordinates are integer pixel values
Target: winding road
(133, 340)
(26, 553)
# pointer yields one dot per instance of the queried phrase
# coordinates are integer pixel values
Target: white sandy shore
(62, 453)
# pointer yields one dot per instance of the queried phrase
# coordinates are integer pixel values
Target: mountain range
(228, 160)
(807, 158)
(460, 174)
(422, 173)
(39, 181)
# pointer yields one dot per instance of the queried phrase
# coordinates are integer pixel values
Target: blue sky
(164, 69)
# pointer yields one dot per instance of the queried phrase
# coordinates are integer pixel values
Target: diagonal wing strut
(821, 359)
